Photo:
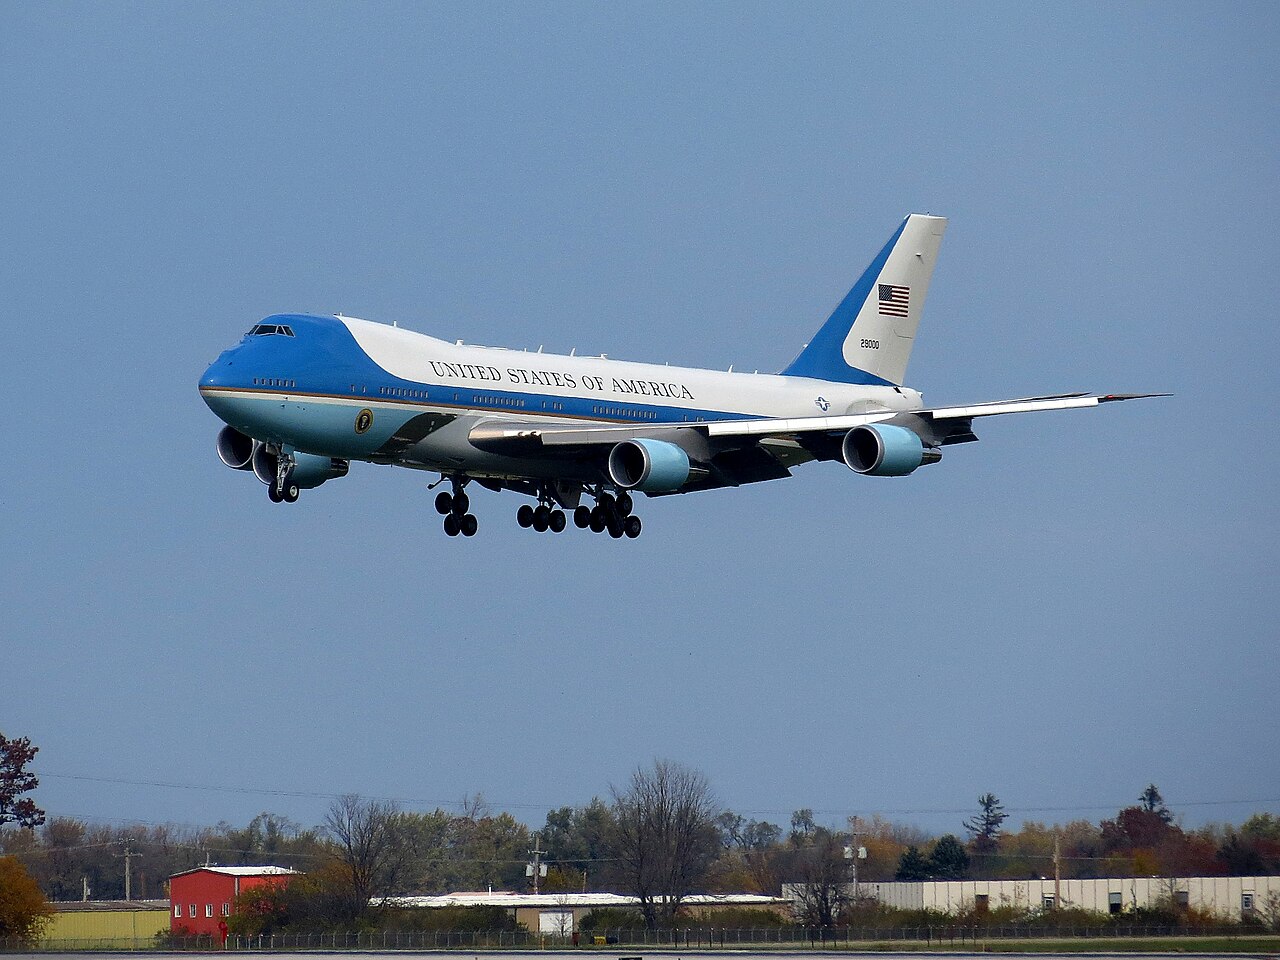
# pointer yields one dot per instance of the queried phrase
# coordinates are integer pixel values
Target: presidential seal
(364, 420)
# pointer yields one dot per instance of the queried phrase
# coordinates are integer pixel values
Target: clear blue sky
(1080, 604)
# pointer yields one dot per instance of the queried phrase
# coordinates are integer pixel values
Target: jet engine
(885, 450)
(309, 470)
(653, 466)
(235, 449)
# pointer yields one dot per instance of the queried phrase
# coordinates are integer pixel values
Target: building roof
(502, 898)
(264, 871)
(102, 906)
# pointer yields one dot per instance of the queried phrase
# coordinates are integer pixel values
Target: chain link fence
(706, 938)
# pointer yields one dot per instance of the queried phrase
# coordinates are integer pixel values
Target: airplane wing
(763, 449)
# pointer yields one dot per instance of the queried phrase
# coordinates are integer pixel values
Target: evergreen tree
(948, 860)
(1152, 802)
(984, 829)
(913, 865)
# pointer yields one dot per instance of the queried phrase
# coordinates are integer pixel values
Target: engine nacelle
(309, 470)
(235, 449)
(885, 450)
(653, 466)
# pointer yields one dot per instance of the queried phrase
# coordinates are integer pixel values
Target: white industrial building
(561, 913)
(1228, 897)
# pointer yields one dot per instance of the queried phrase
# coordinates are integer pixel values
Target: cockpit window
(266, 329)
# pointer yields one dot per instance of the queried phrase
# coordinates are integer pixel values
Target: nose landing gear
(282, 489)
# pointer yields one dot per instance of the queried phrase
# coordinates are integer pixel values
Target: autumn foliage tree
(15, 780)
(24, 911)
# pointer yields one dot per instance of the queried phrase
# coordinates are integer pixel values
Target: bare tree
(369, 849)
(665, 836)
(822, 884)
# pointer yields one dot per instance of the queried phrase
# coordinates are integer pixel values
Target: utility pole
(1057, 872)
(537, 868)
(128, 856)
(853, 853)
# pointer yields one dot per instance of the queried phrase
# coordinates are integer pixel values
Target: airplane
(302, 396)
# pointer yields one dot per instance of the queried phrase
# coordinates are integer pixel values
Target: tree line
(659, 837)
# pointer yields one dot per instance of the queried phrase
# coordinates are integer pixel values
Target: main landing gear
(610, 513)
(542, 518)
(454, 506)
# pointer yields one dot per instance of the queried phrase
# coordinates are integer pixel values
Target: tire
(541, 519)
(615, 529)
(273, 493)
(444, 502)
(632, 526)
(291, 494)
(597, 520)
(524, 516)
(469, 525)
(461, 504)
(582, 517)
(451, 525)
(558, 521)
(625, 505)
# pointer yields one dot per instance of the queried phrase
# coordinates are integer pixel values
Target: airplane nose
(220, 373)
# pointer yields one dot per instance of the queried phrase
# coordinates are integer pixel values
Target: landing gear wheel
(273, 493)
(632, 526)
(625, 505)
(290, 494)
(582, 517)
(469, 525)
(444, 502)
(524, 516)
(542, 518)
(615, 529)
(558, 521)
(597, 520)
(461, 503)
(451, 525)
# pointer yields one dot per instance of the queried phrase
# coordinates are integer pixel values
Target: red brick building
(202, 898)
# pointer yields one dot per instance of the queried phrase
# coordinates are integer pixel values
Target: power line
(418, 801)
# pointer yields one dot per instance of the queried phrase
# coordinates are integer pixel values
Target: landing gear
(454, 506)
(545, 516)
(612, 514)
(283, 489)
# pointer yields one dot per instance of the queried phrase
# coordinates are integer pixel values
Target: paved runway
(643, 955)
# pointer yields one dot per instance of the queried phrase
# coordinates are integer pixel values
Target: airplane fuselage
(352, 389)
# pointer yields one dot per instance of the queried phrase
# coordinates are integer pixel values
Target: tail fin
(868, 338)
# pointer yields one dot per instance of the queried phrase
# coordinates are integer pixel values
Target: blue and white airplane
(302, 396)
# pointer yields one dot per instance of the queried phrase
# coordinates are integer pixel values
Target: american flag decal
(894, 300)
